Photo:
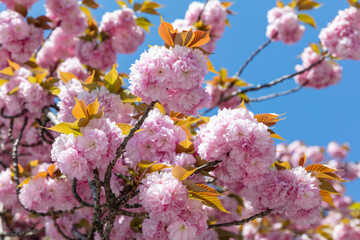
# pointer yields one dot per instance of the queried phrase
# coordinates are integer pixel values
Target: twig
(95, 187)
(208, 165)
(202, 10)
(110, 196)
(50, 115)
(241, 222)
(133, 214)
(28, 232)
(77, 196)
(58, 227)
(276, 81)
(47, 38)
(274, 95)
(135, 205)
(3, 115)
(261, 47)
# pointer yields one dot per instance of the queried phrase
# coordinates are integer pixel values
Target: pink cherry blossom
(342, 36)
(172, 76)
(241, 142)
(322, 75)
(284, 25)
(125, 34)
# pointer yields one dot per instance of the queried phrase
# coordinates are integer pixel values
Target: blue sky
(313, 116)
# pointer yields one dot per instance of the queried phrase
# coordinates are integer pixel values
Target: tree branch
(95, 187)
(53, 216)
(28, 232)
(274, 95)
(241, 222)
(206, 166)
(202, 10)
(258, 50)
(77, 196)
(110, 196)
(276, 81)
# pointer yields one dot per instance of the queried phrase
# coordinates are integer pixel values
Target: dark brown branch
(77, 196)
(135, 205)
(47, 38)
(276, 81)
(202, 10)
(50, 115)
(261, 47)
(110, 196)
(95, 186)
(133, 214)
(53, 216)
(206, 166)
(241, 222)
(3, 115)
(274, 95)
(28, 232)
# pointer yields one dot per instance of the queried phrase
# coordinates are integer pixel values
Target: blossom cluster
(29, 96)
(172, 214)
(173, 77)
(322, 75)
(18, 39)
(77, 157)
(157, 142)
(242, 144)
(294, 194)
(284, 25)
(342, 36)
(213, 14)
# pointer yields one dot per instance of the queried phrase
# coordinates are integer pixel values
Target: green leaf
(282, 165)
(125, 128)
(67, 76)
(160, 107)
(319, 168)
(3, 81)
(151, 167)
(354, 3)
(90, 4)
(112, 80)
(185, 146)
(211, 67)
(144, 23)
(307, 19)
(280, 4)
(326, 186)
(7, 71)
(21, 9)
(26, 181)
(128, 97)
(307, 5)
(315, 48)
(182, 173)
(13, 91)
(137, 7)
(66, 128)
(122, 4)
(326, 197)
(208, 200)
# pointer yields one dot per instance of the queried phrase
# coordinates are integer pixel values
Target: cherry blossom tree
(84, 157)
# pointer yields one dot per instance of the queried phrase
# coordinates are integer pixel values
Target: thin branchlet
(241, 222)
(274, 95)
(276, 81)
(77, 196)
